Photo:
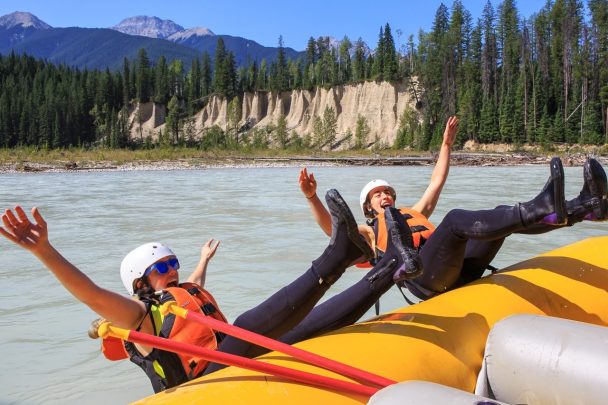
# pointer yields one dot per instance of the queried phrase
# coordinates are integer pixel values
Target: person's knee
(454, 214)
(247, 321)
(452, 218)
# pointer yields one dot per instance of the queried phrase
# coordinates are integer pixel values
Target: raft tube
(441, 340)
(532, 359)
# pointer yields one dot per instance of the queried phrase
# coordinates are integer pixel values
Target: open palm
(19, 229)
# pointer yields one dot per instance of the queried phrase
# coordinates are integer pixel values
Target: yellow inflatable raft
(441, 340)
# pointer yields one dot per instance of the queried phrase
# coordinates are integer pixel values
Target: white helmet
(139, 259)
(370, 187)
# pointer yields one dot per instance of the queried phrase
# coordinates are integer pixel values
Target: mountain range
(100, 48)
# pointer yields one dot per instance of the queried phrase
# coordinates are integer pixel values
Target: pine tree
(142, 83)
(359, 61)
(408, 129)
(194, 81)
(220, 70)
(161, 82)
(173, 119)
(280, 134)
(489, 76)
(509, 43)
(433, 49)
(318, 132)
(282, 70)
(206, 85)
(127, 90)
(369, 65)
(176, 78)
(262, 81)
(234, 117)
(252, 76)
(57, 135)
(377, 72)
(557, 130)
(344, 62)
(362, 131)
(311, 52)
(390, 63)
(330, 125)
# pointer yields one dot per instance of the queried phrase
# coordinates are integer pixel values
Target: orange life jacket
(421, 228)
(189, 296)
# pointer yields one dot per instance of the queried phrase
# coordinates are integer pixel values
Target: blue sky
(261, 21)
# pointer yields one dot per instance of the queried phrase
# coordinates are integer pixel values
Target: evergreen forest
(542, 81)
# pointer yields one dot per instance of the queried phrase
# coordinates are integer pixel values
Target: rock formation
(381, 104)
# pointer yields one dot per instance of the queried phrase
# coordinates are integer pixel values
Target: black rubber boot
(400, 252)
(346, 245)
(592, 201)
(549, 201)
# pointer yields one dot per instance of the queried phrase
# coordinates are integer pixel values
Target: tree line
(541, 80)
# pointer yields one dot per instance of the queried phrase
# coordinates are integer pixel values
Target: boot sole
(407, 253)
(333, 198)
(557, 173)
(595, 177)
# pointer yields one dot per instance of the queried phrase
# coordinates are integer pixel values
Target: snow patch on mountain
(152, 27)
(190, 32)
(23, 19)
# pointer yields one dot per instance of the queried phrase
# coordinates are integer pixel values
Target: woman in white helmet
(379, 194)
(150, 273)
(462, 247)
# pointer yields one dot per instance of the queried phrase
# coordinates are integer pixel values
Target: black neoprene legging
(458, 252)
(464, 244)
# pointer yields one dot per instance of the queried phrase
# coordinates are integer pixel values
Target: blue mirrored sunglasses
(163, 267)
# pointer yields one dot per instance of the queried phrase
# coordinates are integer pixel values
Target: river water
(268, 237)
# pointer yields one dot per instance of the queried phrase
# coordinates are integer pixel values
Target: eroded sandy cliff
(380, 104)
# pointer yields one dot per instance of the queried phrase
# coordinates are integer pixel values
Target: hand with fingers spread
(207, 252)
(308, 184)
(33, 236)
(19, 229)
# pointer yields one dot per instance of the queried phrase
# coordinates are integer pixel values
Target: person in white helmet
(379, 194)
(461, 248)
(150, 274)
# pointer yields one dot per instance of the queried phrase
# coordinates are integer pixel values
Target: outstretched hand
(308, 184)
(208, 250)
(19, 229)
(451, 128)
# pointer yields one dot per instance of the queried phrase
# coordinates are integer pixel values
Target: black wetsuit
(458, 252)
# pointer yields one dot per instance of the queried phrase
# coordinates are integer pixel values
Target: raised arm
(308, 185)
(200, 273)
(429, 199)
(116, 308)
